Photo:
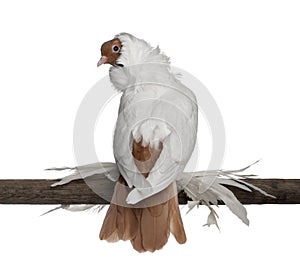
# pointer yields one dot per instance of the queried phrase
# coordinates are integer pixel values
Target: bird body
(154, 137)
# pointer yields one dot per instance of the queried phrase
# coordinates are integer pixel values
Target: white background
(245, 52)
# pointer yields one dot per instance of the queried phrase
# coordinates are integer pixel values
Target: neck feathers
(137, 51)
(141, 63)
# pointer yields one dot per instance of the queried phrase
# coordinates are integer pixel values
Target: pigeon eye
(115, 48)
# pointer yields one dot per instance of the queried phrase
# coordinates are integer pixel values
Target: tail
(147, 228)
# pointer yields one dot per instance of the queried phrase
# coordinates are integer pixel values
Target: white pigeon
(154, 138)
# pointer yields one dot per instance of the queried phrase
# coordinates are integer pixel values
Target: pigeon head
(110, 52)
(125, 50)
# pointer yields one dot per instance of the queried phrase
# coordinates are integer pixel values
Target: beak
(102, 60)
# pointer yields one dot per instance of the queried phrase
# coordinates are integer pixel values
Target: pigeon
(154, 138)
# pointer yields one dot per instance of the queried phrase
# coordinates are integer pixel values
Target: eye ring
(115, 48)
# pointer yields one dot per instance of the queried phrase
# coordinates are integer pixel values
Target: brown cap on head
(110, 52)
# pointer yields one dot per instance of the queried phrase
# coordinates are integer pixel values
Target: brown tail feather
(176, 225)
(109, 229)
(148, 228)
(155, 229)
(120, 222)
(137, 240)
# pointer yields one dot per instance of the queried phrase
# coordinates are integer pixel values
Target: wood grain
(39, 191)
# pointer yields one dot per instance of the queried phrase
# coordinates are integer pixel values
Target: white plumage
(155, 107)
(195, 184)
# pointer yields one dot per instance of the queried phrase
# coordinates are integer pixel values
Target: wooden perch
(38, 191)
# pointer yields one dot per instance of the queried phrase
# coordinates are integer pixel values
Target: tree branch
(39, 191)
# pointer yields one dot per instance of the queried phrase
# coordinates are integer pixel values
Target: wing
(158, 119)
